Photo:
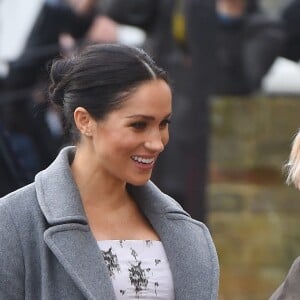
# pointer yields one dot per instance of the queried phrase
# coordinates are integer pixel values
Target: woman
(92, 225)
(290, 288)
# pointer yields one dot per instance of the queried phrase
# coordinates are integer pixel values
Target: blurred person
(23, 130)
(106, 30)
(290, 288)
(13, 174)
(142, 13)
(61, 26)
(248, 42)
(56, 17)
(291, 18)
(29, 133)
(24, 110)
(93, 225)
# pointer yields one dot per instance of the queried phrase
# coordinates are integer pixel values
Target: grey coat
(290, 288)
(47, 250)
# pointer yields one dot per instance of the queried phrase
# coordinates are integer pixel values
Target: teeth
(143, 160)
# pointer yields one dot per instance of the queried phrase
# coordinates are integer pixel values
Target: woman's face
(127, 143)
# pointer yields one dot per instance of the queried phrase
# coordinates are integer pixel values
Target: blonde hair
(293, 165)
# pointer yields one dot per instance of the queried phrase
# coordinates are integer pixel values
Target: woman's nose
(155, 143)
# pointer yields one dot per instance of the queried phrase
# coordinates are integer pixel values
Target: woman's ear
(84, 121)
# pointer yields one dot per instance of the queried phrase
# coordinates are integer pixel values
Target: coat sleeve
(11, 259)
(290, 288)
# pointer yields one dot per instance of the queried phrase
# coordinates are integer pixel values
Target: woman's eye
(165, 123)
(139, 125)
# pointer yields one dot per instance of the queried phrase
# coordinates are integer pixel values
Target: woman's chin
(139, 182)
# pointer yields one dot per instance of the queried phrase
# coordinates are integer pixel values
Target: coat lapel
(77, 251)
(190, 250)
(69, 236)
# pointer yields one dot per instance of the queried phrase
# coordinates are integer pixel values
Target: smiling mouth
(142, 160)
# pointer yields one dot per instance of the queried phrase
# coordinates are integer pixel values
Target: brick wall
(254, 217)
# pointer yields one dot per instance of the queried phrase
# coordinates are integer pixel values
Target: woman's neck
(96, 187)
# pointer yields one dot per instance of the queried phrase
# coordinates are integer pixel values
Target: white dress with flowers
(139, 269)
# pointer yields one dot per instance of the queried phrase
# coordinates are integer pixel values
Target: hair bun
(59, 74)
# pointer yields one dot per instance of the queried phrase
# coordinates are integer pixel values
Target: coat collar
(61, 205)
(60, 200)
(57, 192)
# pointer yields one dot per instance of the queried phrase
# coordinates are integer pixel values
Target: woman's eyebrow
(140, 116)
(146, 116)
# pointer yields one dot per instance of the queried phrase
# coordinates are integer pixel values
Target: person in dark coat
(22, 113)
(291, 18)
(13, 175)
(42, 45)
(248, 42)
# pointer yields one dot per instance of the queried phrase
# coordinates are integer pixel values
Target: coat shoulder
(19, 198)
(22, 206)
(193, 227)
(290, 288)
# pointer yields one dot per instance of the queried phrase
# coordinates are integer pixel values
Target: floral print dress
(139, 269)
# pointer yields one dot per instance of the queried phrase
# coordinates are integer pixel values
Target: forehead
(151, 96)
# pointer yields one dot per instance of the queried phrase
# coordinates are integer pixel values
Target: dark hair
(99, 79)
